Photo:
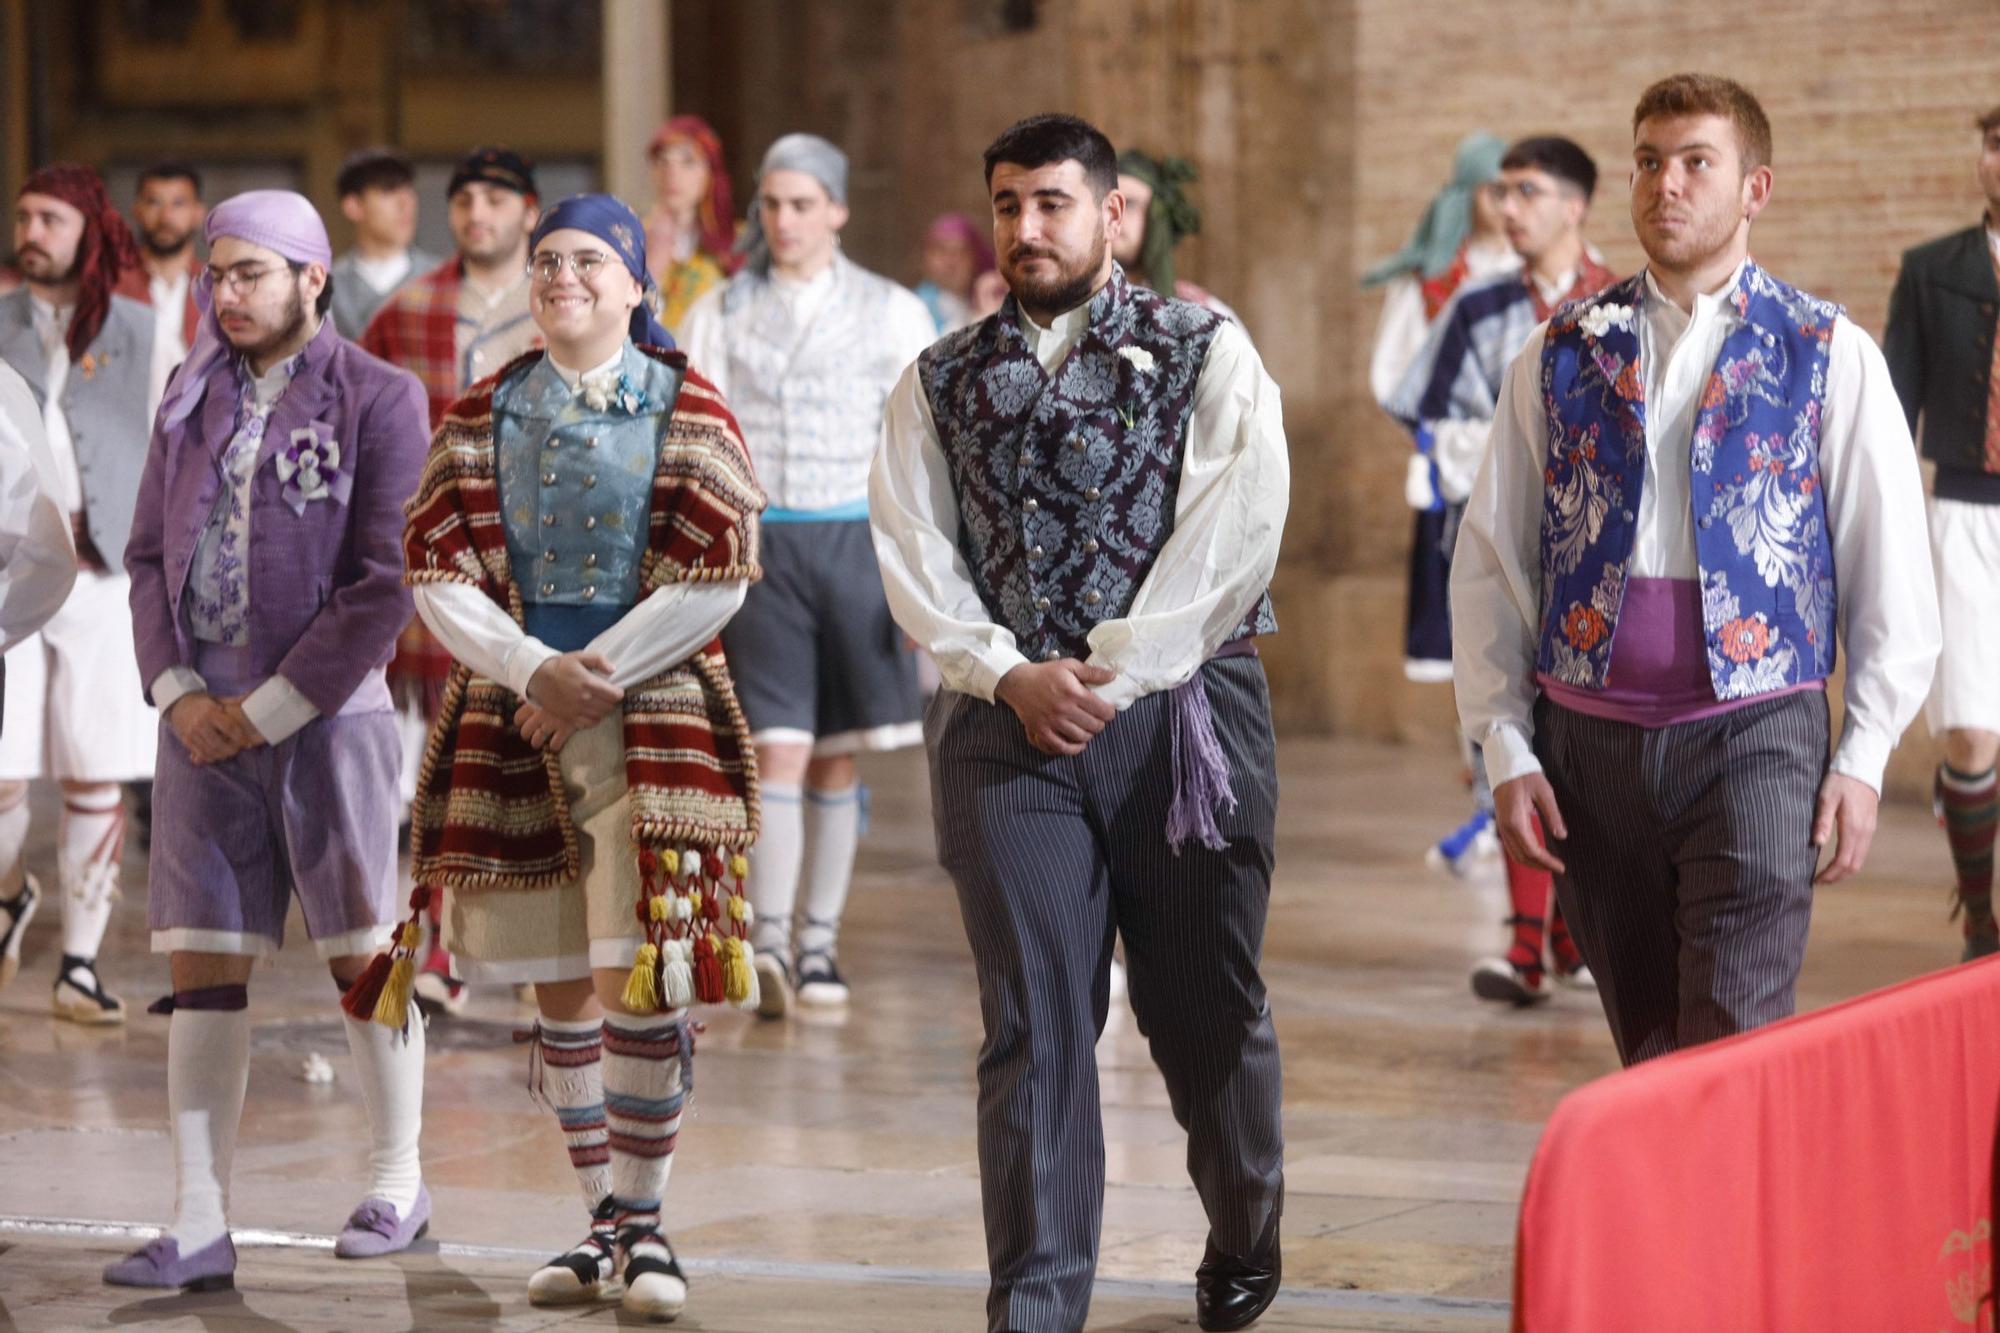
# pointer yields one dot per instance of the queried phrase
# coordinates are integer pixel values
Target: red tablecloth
(1832, 1172)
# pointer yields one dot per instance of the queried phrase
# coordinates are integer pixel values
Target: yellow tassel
(694, 903)
(412, 936)
(393, 1009)
(739, 908)
(658, 908)
(739, 865)
(738, 979)
(670, 862)
(642, 986)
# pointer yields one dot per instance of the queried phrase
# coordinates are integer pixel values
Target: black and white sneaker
(80, 996)
(654, 1286)
(774, 985)
(820, 983)
(587, 1273)
(15, 914)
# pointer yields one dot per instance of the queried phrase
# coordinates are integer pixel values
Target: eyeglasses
(1526, 191)
(241, 279)
(548, 266)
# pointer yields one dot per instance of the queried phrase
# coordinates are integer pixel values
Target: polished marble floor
(827, 1177)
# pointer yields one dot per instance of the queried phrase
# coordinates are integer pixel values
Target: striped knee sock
(1971, 815)
(646, 1063)
(570, 1080)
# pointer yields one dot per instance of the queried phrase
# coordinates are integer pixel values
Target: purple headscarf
(278, 220)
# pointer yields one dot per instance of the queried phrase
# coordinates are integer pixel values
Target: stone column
(637, 36)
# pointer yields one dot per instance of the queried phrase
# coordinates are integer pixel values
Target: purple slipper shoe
(159, 1264)
(375, 1229)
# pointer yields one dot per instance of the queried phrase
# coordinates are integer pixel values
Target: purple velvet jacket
(326, 585)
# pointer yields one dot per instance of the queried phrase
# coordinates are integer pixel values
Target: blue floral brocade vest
(1066, 483)
(1759, 508)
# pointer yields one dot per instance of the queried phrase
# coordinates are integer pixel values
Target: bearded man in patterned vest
(1699, 481)
(1077, 507)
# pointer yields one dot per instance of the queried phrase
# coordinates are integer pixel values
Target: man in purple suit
(266, 563)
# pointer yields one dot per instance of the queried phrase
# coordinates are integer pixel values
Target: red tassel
(361, 998)
(708, 981)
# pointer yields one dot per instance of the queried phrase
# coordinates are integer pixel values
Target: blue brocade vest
(1066, 484)
(1759, 509)
(576, 488)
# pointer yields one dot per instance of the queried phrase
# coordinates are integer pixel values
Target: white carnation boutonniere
(1601, 319)
(603, 393)
(309, 468)
(1142, 363)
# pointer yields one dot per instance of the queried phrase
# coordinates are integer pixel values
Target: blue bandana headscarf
(609, 220)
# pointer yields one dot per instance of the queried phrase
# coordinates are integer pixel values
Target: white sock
(774, 868)
(644, 1094)
(832, 829)
(208, 1070)
(391, 1066)
(572, 1083)
(13, 835)
(90, 844)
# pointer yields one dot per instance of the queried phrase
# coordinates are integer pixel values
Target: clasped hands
(570, 692)
(1055, 703)
(213, 730)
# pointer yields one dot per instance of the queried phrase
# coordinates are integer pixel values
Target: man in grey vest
(74, 707)
(806, 345)
(1077, 505)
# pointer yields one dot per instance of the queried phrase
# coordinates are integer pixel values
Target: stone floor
(827, 1178)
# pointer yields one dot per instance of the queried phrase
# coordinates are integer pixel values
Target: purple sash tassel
(1201, 769)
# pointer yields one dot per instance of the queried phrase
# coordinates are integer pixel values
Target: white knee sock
(832, 829)
(391, 1066)
(572, 1083)
(91, 843)
(644, 1093)
(208, 1069)
(774, 869)
(13, 835)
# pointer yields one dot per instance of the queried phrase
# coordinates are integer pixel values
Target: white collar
(1069, 324)
(1707, 305)
(574, 378)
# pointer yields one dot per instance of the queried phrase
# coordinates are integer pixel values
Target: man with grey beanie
(806, 346)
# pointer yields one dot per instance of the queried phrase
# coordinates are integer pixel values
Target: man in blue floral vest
(1077, 506)
(1699, 480)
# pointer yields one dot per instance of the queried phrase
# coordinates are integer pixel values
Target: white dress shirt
(1229, 515)
(169, 297)
(37, 560)
(661, 629)
(1888, 620)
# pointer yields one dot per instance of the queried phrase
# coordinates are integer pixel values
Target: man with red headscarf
(74, 707)
(691, 228)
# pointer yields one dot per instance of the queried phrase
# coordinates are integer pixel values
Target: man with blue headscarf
(586, 524)
(266, 598)
(807, 346)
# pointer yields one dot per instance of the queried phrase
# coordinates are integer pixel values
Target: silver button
(1035, 553)
(1093, 597)
(590, 520)
(1708, 522)
(1051, 655)
(1041, 603)
(1090, 546)
(548, 479)
(549, 555)
(589, 592)
(590, 442)
(548, 590)
(590, 481)
(548, 520)
(1027, 458)
(1076, 444)
(551, 442)
(1092, 493)
(590, 560)
(1627, 515)
(1030, 505)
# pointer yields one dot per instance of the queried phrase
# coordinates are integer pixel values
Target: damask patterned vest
(1759, 509)
(1066, 483)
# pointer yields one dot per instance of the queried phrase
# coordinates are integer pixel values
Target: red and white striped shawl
(490, 809)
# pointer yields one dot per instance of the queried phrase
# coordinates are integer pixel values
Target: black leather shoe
(1231, 1293)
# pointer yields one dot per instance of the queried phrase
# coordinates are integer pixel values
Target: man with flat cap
(806, 345)
(267, 593)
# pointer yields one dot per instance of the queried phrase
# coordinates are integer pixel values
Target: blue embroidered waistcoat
(1759, 509)
(1066, 483)
(576, 486)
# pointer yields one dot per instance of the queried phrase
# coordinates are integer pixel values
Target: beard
(161, 242)
(1066, 290)
(39, 265)
(291, 322)
(1699, 238)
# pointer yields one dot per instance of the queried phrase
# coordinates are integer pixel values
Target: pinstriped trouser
(1689, 863)
(1051, 857)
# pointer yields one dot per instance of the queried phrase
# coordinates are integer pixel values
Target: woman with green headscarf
(1158, 215)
